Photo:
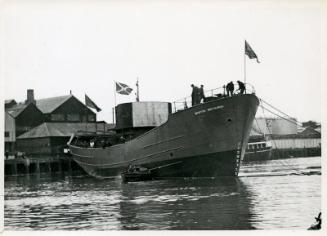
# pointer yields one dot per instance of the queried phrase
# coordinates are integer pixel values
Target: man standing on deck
(201, 94)
(241, 86)
(230, 88)
(195, 94)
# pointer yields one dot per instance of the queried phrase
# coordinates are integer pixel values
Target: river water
(276, 194)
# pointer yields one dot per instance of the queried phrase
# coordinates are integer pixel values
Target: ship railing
(212, 94)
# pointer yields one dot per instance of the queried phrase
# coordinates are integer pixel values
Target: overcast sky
(84, 47)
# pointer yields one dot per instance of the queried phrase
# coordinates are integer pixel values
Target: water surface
(277, 194)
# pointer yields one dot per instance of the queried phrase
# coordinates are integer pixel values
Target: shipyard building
(43, 126)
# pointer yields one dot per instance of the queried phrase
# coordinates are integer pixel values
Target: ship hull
(206, 140)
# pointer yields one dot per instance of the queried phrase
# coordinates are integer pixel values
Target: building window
(91, 118)
(57, 117)
(73, 117)
(6, 134)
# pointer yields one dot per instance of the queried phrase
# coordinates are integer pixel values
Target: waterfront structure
(208, 139)
(10, 133)
(19, 119)
(65, 109)
(50, 138)
(10, 103)
(279, 143)
(22, 117)
(296, 141)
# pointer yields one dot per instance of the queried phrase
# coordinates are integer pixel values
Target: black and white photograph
(163, 115)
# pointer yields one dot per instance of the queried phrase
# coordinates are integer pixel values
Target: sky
(54, 47)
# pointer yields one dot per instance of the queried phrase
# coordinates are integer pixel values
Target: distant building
(275, 126)
(311, 132)
(65, 109)
(25, 117)
(286, 138)
(10, 103)
(19, 119)
(22, 117)
(10, 132)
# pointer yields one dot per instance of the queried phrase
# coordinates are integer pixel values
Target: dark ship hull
(206, 140)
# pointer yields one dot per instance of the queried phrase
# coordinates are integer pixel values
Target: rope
(277, 149)
(269, 130)
(291, 121)
(280, 112)
(260, 131)
(274, 108)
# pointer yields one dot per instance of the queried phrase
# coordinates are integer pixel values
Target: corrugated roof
(16, 109)
(48, 105)
(49, 129)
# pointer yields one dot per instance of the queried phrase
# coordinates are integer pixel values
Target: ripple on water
(268, 195)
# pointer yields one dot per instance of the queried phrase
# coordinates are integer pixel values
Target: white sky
(79, 46)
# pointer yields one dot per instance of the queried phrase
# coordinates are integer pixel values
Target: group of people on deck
(198, 93)
(230, 88)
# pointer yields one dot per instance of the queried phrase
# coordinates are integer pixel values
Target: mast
(137, 90)
(244, 65)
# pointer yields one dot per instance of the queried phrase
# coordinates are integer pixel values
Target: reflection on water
(186, 204)
(267, 195)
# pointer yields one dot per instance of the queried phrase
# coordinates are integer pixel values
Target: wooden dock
(37, 165)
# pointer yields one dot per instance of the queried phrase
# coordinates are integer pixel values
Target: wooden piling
(37, 167)
(14, 169)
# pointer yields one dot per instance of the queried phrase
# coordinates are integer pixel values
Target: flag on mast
(123, 88)
(249, 51)
(91, 104)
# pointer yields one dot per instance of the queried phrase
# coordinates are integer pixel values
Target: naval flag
(90, 103)
(249, 51)
(123, 88)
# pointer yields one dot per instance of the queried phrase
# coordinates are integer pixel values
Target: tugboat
(208, 139)
(258, 151)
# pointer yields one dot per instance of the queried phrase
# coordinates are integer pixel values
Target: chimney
(30, 96)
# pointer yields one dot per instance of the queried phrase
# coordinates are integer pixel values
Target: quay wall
(295, 147)
(295, 152)
(39, 165)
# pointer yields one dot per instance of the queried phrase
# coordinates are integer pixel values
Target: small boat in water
(136, 173)
(258, 151)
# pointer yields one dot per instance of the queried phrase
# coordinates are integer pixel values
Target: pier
(38, 165)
